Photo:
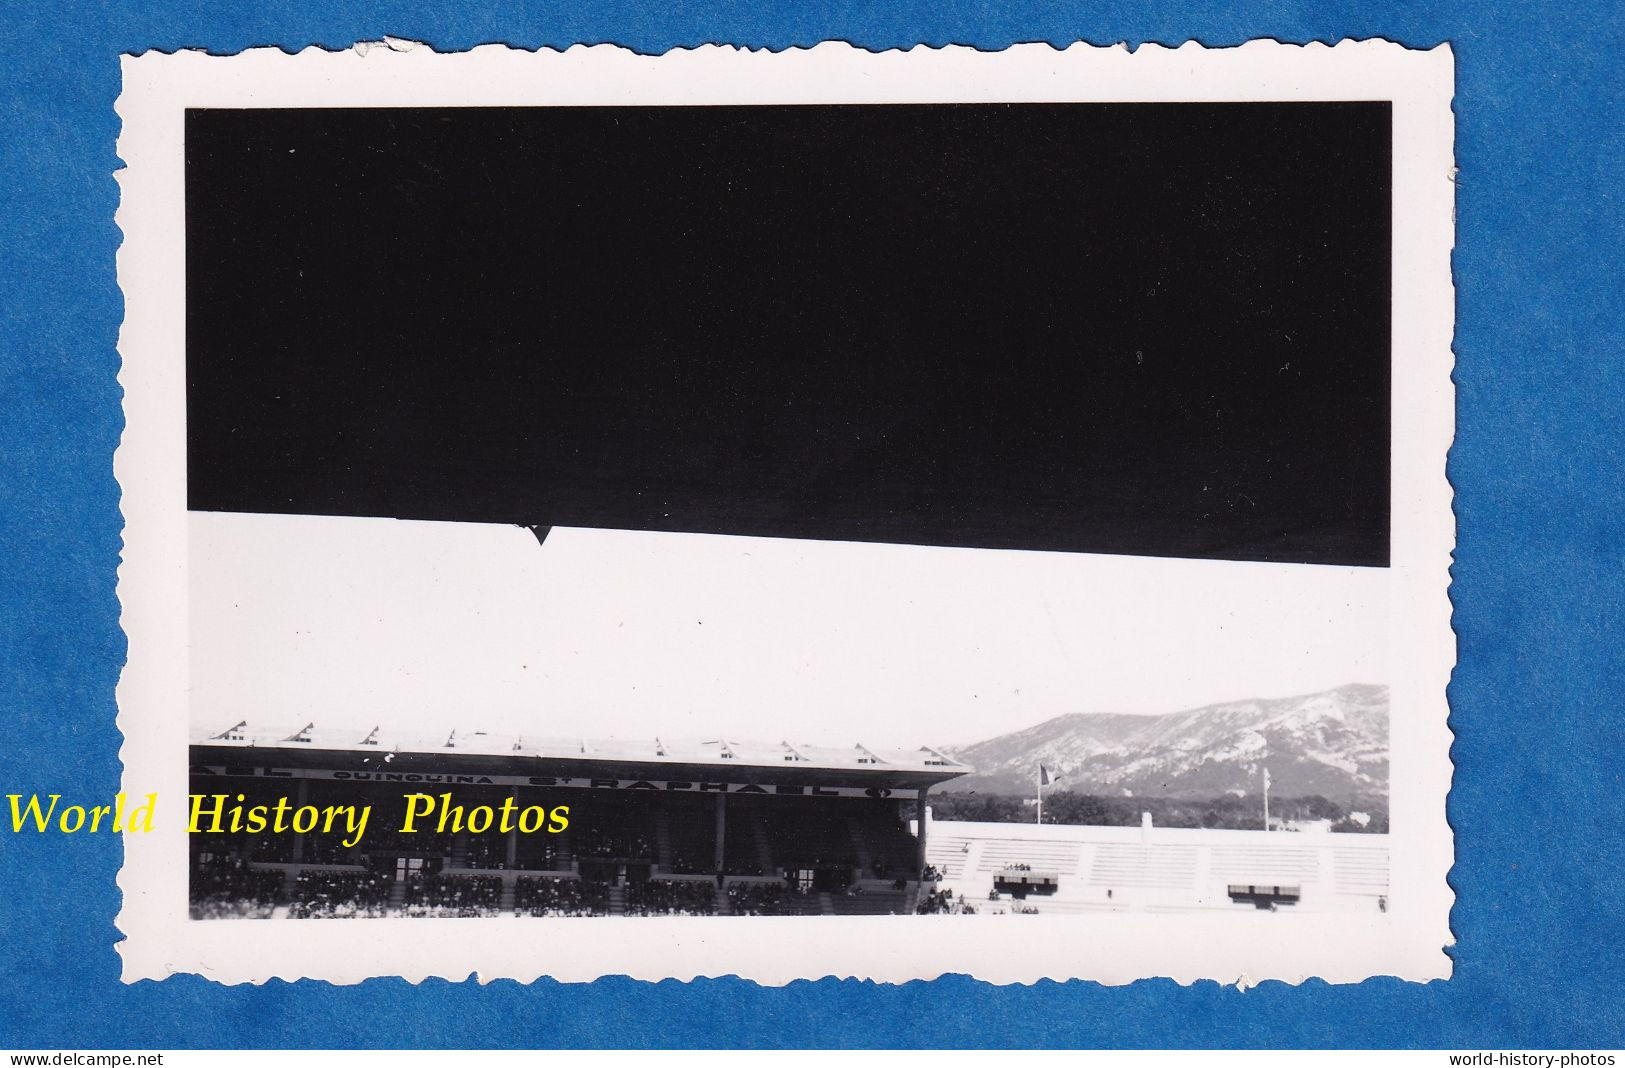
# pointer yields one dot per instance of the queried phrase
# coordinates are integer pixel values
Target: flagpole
(1039, 779)
(1266, 798)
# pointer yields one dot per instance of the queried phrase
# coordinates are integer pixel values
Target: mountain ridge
(1333, 743)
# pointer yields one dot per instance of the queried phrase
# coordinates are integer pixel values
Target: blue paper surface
(1540, 827)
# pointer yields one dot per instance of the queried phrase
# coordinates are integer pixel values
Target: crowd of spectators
(944, 901)
(692, 841)
(487, 852)
(424, 840)
(340, 895)
(453, 895)
(616, 843)
(671, 897)
(541, 853)
(229, 888)
(833, 861)
(271, 848)
(326, 849)
(544, 895)
(808, 838)
(891, 852)
(214, 849)
(756, 899)
(689, 864)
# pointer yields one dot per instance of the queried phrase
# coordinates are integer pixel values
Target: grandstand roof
(463, 745)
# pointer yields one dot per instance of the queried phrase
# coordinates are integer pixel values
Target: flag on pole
(1266, 778)
(1044, 777)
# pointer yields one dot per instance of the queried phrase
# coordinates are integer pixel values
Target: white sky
(434, 626)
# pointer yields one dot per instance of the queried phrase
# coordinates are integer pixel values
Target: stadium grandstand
(715, 828)
(687, 828)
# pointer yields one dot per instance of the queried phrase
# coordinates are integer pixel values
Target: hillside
(1334, 744)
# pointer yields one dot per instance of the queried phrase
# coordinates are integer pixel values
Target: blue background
(1537, 802)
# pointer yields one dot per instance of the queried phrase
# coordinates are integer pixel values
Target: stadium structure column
(301, 790)
(722, 829)
(921, 821)
(513, 834)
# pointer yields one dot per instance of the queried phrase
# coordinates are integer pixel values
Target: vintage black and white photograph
(788, 515)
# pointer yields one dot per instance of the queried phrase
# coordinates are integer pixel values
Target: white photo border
(1408, 941)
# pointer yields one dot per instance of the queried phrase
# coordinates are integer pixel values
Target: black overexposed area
(1156, 329)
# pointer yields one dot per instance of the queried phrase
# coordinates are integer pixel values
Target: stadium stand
(635, 827)
(745, 848)
(859, 900)
(667, 897)
(1114, 869)
(948, 852)
(803, 831)
(1362, 871)
(1060, 857)
(339, 894)
(1258, 863)
(232, 888)
(689, 832)
(1142, 866)
(453, 895)
(553, 896)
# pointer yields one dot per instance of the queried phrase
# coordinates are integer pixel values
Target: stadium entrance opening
(403, 869)
(818, 880)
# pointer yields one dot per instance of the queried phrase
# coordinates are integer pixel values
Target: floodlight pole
(1266, 771)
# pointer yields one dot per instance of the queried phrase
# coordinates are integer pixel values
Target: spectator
(229, 889)
(667, 897)
(543, 895)
(453, 895)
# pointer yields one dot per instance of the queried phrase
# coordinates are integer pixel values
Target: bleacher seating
(1132, 865)
(740, 853)
(885, 843)
(945, 902)
(948, 853)
(693, 838)
(866, 902)
(671, 897)
(543, 895)
(623, 834)
(421, 842)
(326, 849)
(340, 894)
(806, 837)
(482, 852)
(754, 899)
(272, 848)
(1361, 871)
(1050, 906)
(542, 852)
(453, 895)
(1040, 855)
(1263, 864)
(230, 888)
